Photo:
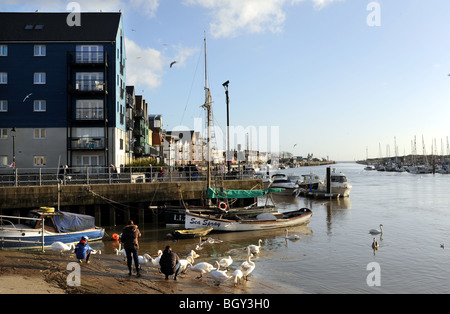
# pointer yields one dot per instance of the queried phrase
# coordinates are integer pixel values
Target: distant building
(62, 89)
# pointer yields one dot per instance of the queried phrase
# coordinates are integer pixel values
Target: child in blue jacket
(83, 250)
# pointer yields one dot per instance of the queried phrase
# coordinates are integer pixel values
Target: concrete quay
(111, 204)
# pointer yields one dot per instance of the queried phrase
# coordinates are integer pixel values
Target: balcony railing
(87, 143)
(92, 58)
(91, 114)
(91, 86)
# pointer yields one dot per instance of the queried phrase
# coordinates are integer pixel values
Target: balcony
(89, 114)
(88, 58)
(88, 87)
(87, 143)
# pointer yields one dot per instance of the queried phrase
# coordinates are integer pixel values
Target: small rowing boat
(192, 233)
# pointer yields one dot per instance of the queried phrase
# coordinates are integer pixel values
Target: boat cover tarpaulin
(71, 222)
(217, 193)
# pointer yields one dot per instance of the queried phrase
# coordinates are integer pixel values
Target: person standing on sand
(129, 238)
(170, 263)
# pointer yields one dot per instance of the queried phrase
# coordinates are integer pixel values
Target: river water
(335, 250)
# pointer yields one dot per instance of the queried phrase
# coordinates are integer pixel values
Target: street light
(225, 85)
(14, 148)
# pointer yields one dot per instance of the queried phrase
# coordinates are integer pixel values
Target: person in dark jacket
(129, 238)
(83, 250)
(170, 263)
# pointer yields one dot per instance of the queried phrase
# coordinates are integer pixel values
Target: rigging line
(111, 202)
(192, 85)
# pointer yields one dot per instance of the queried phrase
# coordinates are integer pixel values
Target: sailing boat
(224, 199)
(222, 217)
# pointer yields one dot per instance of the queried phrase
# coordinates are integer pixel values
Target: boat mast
(207, 106)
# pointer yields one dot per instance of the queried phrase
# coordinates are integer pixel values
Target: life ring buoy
(223, 206)
(115, 236)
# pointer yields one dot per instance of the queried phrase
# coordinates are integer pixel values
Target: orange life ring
(115, 236)
(223, 206)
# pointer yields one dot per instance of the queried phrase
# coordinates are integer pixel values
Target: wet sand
(24, 272)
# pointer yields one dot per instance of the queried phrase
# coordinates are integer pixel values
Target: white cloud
(231, 17)
(145, 66)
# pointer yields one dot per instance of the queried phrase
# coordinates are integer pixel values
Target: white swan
(212, 241)
(226, 262)
(292, 236)
(144, 259)
(255, 249)
(377, 231)
(186, 263)
(237, 274)
(193, 254)
(155, 261)
(61, 247)
(375, 244)
(219, 275)
(199, 246)
(248, 266)
(202, 268)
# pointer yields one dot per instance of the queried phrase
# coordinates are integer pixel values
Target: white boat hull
(198, 221)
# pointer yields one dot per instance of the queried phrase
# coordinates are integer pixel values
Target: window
(39, 106)
(39, 133)
(3, 106)
(40, 50)
(3, 134)
(3, 161)
(89, 81)
(39, 78)
(39, 161)
(3, 50)
(89, 109)
(3, 78)
(89, 54)
(29, 26)
(38, 26)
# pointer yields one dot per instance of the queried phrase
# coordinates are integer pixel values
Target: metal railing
(109, 175)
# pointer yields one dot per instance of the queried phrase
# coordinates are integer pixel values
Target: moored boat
(262, 221)
(191, 233)
(45, 226)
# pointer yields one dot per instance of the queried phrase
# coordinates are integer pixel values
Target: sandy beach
(24, 272)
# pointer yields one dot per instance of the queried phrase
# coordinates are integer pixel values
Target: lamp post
(225, 85)
(14, 148)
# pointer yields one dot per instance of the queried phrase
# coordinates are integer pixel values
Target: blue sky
(313, 69)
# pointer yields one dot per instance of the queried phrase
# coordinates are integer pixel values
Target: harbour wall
(112, 204)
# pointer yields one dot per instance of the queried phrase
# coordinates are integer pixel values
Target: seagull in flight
(173, 62)
(27, 96)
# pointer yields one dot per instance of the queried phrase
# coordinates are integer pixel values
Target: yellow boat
(192, 233)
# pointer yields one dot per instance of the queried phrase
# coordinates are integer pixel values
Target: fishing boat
(262, 221)
(339, 184)
(224, 199)
(45, 226)
(191, 233)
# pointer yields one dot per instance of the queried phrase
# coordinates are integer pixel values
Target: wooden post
(112, 215)
(98, 215)
(328, 180)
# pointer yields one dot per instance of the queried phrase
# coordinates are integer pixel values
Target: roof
(40, 26)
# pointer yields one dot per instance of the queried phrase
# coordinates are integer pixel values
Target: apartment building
(62, 91)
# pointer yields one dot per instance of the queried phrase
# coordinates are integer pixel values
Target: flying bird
(173, 62)
(27, 96)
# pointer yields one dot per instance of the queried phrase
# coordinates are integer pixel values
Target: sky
(340, 79)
